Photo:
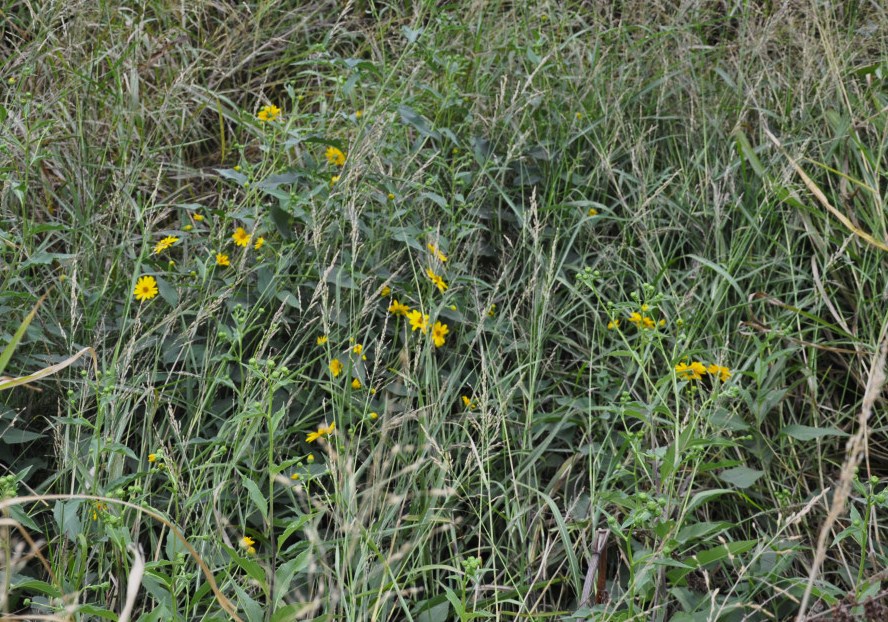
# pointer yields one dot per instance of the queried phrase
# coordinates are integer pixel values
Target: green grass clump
(436, 312)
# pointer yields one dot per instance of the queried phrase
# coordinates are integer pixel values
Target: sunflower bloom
(321, 340)
(439, 333)
(334, 156)
(164, 244)
(694, 371)
(385, 291)
(222, 260)
(146, 288)
(418, 321)
(335, 367)
(717, 370)
(437, 280)
(356, 384)
(268, 113)
(241, 237)
(358, 348)
(397, 308)
(260, 242)
(198, 217)
(323, 430)
(469, 403)
(437, 252)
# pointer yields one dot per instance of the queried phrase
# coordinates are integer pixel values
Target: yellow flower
(146, 288)
(260, 242)
(635, 318)
(437, 253)
(491, 312)
(593, 211)
(188, 227)
(333, 180)
(165, 244)
(323, 430)
(247, 543)
(641, 321)
(295, 476)
(198, 217)
(613, 324)
(694, 371)
(469, 403)
(647, 322)
(334, 156)
(437, 280)
(359, 114)
(645, 307)
(358, 348)
(397, 308)
(356, 384)
(152, 457)
(268, 113)
(241, 237)
(237, 167)
(391, 197)
(374, 416)
(222, 260)
(321, 340)
(418, 321)
(335, 367)
(310, 458)
(439, 332)
(717, 370)
(385, 291)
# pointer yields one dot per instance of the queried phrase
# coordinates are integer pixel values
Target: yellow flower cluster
(420, 321)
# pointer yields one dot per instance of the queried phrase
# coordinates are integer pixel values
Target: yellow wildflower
(694, 371)
(647, 322)
(418, 321)
(241, 237)
(247, 543)
(358, 348)
(146, 288)
(222, 260)
(268, 113)
(356, 384)
(374, 416)
(152, 457)
(165, 244)
(491, 312)
(397, 308)
(321, 340)
(613, 324)
(391, 197)
(260, 242)
(593, 211)
(334, 156)
(335, 367)
(198, 217)
(359, 114)
(437, 253)
(437, 280)
(469, 403)
(385, 291)
(323, 430)
(439, 332)
(188, 227)
(295, 476)
(717, 370)
(333, 180)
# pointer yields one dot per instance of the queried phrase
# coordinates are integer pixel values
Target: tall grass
(576, 163)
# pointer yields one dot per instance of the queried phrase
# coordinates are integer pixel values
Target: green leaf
(14, 436)
(256, 497)
(67, 519)
(167, 292)
(808, 433)
(741, 477)
(291, 528)
(17, 337)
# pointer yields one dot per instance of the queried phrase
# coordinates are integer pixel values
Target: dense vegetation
(442, 311)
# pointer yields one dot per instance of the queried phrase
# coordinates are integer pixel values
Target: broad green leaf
(808, 433)
(741, 477)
